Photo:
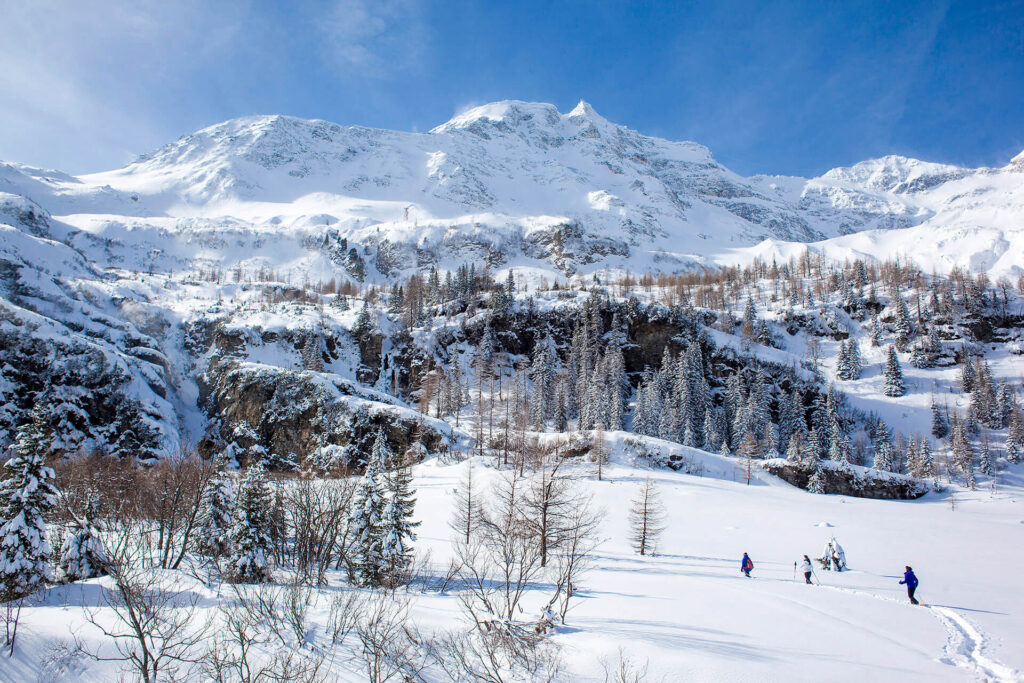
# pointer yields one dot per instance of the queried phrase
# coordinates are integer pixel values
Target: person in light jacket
(806, 568)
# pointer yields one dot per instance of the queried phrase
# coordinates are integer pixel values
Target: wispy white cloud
(372, 38)
(87, 86)
(78, 80)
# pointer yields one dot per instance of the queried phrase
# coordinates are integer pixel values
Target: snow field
(687, 612)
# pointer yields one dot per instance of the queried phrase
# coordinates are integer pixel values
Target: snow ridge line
(964, 647)
(964, 642)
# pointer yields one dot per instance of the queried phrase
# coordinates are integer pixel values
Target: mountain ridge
(533, 179)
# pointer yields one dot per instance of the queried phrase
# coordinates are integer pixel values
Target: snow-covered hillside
(684, 613)
(512, 183)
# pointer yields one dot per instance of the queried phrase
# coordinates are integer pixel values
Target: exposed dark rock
(849, 480)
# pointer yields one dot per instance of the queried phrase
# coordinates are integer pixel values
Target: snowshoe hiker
(746, 565)
(911, 581)
(806, 568)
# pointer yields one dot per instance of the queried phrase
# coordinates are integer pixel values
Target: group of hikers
(909, 579)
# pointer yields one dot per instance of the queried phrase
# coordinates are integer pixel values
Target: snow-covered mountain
(513, 183)
(126, 285)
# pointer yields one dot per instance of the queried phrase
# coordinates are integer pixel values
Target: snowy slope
(687, 612)
(516, 183)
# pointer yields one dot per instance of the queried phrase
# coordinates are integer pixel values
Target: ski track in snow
(964, 648)
(965, 642)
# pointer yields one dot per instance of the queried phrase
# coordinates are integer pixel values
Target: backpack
(749, 564)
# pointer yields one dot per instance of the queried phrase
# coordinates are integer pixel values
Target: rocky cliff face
(849, 480)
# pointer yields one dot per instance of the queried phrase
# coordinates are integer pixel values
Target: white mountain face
(513, 183)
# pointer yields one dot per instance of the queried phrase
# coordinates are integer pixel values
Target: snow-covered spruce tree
(312, 352)
(1007, 404)
(749, 329)
(985, 460)
(28, 494)
(816, 484)
(397, 525)
(885, 458)
(617, 388)
(794, 452)
(903, 326)
(967, 376)
(925, 465)
(769, 444)
(1015, 437)
(839, 446)
(82, 555)
(876, 330)
(963, 452)
(712, 431)
(250, 536)
(919, 355)
(542, 372)
(646, 518)
(363, 326)
(893, 375)
(367, 515)
(217, 514)
(842, 363)
(940, 427)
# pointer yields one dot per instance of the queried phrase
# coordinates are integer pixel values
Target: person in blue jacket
(911, 581)
(746, 565)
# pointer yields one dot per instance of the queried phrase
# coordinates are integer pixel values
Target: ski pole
(794, 572)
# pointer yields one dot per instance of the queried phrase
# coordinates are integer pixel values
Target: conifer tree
(250, 536)
(885, 459)
(903, 325)
(816, 484)
(82, 555)
(963, 452)
(876, 330)
(312, 354)
(769, 444)
(925, 465)
(749, 329)
(839, 446)
(940, 428)
(967, 376)
(712, 430)
(842, 362)
(367, 515)
(854, 364)
(794, 452)
(217, 513)
(1015, 437)
(28, 494)
(617, 388)
(397, 525)
(1007, 403)
(985, 460)
(542, 374)
(893, 375)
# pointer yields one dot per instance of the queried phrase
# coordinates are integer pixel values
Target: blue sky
(783, 87)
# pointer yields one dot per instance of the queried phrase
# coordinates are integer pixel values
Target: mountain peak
(509, 112)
